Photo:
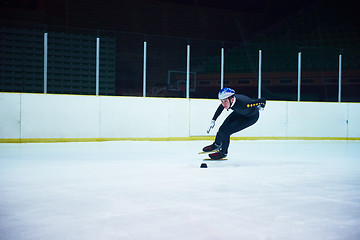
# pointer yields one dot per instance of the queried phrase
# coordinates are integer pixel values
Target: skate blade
(209, 151)
(209, 159)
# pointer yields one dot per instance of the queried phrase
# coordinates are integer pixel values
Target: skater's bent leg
(222, 134)
(225, 146)
(225, 131)
(219, 138)
(223, 137)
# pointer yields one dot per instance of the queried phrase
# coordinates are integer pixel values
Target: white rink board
(143, 117)
(58, 116)
(353, 119)
(133, 117)
(10, 105)
(310, 119)
(178, 117)
(72, 116)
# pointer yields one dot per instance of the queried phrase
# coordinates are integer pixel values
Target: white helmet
(226, 93)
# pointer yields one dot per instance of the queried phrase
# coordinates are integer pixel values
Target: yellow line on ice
(192, 138)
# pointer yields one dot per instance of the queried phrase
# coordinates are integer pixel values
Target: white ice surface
(157, 190)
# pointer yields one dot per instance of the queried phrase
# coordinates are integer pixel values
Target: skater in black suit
(245, 113)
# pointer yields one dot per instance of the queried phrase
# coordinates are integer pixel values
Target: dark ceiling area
(228, 20)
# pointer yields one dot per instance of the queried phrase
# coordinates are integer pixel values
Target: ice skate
(217, 155)
(211, 148)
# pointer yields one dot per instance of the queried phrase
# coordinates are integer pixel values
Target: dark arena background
(151, 47)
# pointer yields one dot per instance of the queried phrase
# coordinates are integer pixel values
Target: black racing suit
(245, 113)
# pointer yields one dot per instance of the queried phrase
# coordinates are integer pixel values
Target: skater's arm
(218, 112)
(257, 102)
(216, 115)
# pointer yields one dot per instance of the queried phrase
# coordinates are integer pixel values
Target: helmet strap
(231, 97)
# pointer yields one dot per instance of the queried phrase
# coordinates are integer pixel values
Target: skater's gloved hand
(260, 107)
(262, 104)
(212, 124)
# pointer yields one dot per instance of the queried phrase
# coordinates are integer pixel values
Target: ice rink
(277, 190)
